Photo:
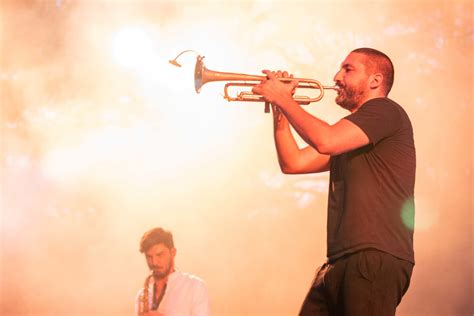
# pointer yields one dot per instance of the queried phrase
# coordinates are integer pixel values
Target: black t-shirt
(371, 189)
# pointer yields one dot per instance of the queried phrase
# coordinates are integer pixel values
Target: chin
(347, 105)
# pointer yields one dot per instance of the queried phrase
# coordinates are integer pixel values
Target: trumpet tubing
(202, 75)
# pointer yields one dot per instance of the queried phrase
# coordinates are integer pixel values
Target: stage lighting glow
(133, 47)
(102, 149)
(424, 217)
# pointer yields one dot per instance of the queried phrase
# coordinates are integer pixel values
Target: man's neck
(160, 283)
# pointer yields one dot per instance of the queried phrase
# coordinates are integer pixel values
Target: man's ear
(173, 252)
(375, 80)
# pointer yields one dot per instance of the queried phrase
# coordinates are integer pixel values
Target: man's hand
(274, 90)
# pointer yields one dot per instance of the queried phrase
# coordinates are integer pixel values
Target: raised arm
(291, 158)
(324, 138)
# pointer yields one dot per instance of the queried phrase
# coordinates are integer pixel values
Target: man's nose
(337, 76)
(155, 261)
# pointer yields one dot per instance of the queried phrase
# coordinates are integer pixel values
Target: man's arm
(201, 306)
(324, 138)
(291, 158)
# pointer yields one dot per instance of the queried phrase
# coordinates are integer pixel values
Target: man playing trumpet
(168, 292)
(371, 158)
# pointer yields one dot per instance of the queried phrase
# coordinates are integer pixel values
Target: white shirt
(185, 295)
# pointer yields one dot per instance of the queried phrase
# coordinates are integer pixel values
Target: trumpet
(144, 305)
(202, 75)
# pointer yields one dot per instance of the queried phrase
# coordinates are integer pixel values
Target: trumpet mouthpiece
(175, 63)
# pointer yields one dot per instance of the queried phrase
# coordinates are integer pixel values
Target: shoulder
(380, 104)
(383, 106)
(187, 278)
(379, 118)
(375, 111)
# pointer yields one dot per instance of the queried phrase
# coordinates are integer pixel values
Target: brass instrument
(202, 75)
(144, 306)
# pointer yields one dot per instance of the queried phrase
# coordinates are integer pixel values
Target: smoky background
(102, 139)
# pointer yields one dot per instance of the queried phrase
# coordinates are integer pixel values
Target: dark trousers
(365, 283)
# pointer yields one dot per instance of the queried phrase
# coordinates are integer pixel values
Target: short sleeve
(378, 118)
(201, 305)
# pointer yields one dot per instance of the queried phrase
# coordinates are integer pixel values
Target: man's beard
(349, 98)
(162, 274)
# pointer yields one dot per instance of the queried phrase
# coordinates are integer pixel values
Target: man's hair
(156, 236)
(377, 61)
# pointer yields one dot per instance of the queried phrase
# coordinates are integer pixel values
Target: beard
(349, 97)
(161, 273)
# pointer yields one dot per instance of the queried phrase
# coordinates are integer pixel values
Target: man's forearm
(312, 130)
(286, 146)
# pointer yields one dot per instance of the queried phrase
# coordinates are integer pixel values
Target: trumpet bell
(202, 75)
(198, 71)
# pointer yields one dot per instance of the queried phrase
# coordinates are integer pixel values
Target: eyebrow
(347, 65)
(157, 253)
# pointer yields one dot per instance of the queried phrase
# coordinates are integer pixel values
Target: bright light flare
(427, 213)
(133, 47)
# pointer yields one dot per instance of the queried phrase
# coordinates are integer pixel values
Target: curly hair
(156, 236)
